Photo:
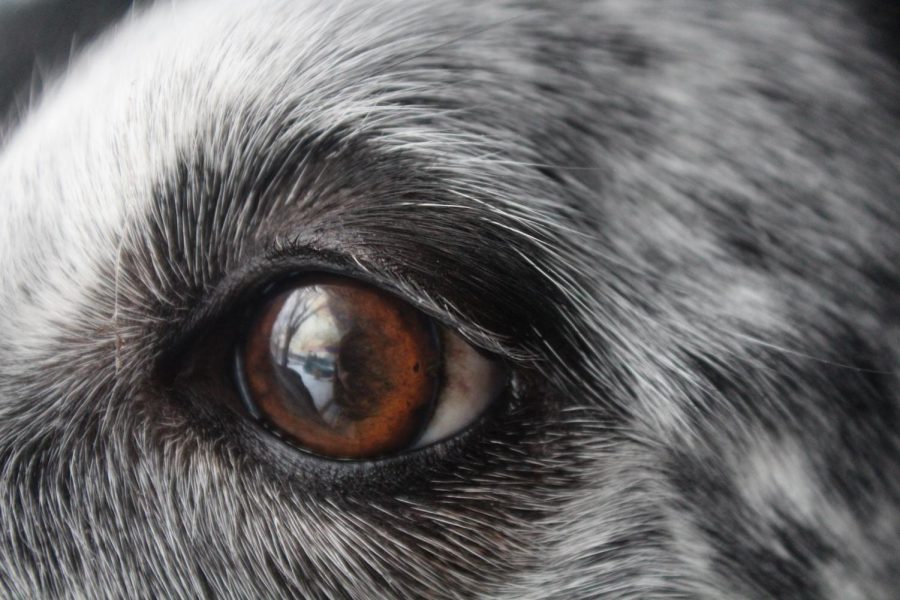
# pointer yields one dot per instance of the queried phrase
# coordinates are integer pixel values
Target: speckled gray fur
(680, 219)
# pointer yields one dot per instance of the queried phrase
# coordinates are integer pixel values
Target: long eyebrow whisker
(803, 355)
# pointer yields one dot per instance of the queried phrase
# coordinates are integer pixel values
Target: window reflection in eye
(348, 371)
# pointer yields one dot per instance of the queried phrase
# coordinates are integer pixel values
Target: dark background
(38, 36)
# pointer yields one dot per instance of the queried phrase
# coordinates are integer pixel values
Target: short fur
(678, 220)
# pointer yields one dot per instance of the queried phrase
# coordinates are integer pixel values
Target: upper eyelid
(261, 277)
(407, 289)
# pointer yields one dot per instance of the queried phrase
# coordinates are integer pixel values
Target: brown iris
(343, 369)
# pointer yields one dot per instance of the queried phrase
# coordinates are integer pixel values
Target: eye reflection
(305, 344)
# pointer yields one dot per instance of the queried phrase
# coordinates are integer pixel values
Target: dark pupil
(348, 363)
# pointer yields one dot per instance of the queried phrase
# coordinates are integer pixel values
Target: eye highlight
(347, 371)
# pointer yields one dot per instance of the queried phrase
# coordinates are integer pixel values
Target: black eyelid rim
(307, 261)
(511, 392)
(263, 277)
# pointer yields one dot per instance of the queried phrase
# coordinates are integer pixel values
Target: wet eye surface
(347, 371)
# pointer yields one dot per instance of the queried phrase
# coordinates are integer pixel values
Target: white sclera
(471, 383)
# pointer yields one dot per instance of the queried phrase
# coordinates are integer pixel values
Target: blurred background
(38, 36)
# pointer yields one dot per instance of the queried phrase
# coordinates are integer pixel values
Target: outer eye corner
(347, 371)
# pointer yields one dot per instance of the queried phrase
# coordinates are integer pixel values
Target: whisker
(803, 355)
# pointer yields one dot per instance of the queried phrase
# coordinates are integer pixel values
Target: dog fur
(677, 221)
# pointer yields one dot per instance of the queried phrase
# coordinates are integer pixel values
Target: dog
(676, 223)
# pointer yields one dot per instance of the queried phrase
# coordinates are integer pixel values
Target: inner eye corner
(342, 369)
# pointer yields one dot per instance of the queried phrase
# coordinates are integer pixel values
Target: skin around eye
(348, 371)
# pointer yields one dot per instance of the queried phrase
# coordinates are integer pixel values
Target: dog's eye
(348, 371)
